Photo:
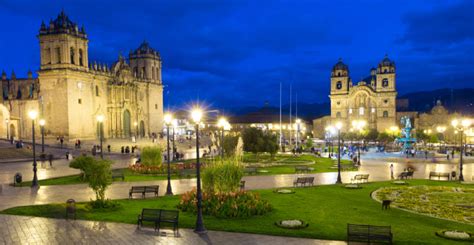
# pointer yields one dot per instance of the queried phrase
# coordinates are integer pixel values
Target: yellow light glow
(100, 118)
(32, 114)
(222, 122)
(168, 118)
(42, 122)
(455, 122)
(196, 115)
(466, 123)
(339, 125)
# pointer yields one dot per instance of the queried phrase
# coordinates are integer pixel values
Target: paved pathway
(34, 230)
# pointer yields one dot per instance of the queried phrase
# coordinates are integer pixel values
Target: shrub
(222, 176)
(226, 205)
(151, 156)
(229, 144)
(97, 173)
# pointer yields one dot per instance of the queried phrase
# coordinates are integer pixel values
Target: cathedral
(372, 100)
(71, 91)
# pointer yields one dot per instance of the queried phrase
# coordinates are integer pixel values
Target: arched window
(153, 73)
(96, 90)
(72, 56)
(58, 55)
(385, 82)
(385, 113)
(81, 62)
(361, 111)
(143, 72)
(385, 71)
(339, 74)
(338, 114)
(339, 85)
(135, 71)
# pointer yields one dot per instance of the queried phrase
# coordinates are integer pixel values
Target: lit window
(385, 113)
(339, 85)
(361, 111)
(350, 111)
(373, 110)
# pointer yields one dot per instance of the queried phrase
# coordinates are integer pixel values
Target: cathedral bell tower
(340, 81)
(385, 81)
(146, 63)
(63, 45)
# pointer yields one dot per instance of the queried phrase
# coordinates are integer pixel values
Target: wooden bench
(250, 170)
(369, 234)
(118, 175)
(143, 190)
(302, 169)
(440, 175)
(302, 181)
(159, 216)
(187, 172)
(405, 175)
(360, 178)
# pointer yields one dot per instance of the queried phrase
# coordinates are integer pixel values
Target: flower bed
(292, 224)
(453, 203)
(455, 235)
(226, 205)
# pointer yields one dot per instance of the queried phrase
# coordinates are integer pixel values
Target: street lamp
(330, 132)
(461, 127)
(223, 124)
(168, 120)
(359, 125)
(8, 126)
(42, 123)
(100, 120)
(298, 123)
(196, 115)
(338, 127)
(33, 114)
(441, 130)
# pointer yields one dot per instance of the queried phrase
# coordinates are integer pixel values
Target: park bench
(143, 190)
(187, 172)
(369, 234)
(360, 178)
(406, 175)
(302, 181)
(159, 216)
(439, 175)
(250, 170)
(118, 175)
(302, 169)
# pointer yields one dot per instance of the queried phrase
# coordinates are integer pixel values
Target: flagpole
(291, 106)
(281, 136)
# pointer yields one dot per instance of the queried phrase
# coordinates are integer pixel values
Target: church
(71, 91)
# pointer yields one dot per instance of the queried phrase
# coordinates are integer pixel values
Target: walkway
(34, 230)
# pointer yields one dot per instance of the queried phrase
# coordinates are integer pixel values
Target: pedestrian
(67, 155)
(108, 148)
(447, 156)
(61, 140)
(50, 158)
(391, 171)
(122, 149)
(452, 154)
(426, 154)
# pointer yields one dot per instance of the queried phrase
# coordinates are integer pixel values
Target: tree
(253, 140)
(372, 135)
(270, 144)
(229, 144)
(151, 156)
(385, 137)
(309, 143)
(96, 172)
(433, 138)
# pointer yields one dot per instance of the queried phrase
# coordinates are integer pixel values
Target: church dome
(340, 66)
(386, 62)
(145, 48)
(62, 24)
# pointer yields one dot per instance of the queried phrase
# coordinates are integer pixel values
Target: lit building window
(373, 110)
(350, 111)
(361, 111)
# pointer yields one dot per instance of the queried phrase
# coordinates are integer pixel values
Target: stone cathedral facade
(373, 99)
(71, 91)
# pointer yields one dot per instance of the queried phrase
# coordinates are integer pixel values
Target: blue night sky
(235, 53)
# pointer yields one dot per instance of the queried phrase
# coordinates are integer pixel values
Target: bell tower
(63, 45)
(385, 80)
(146, 63)
(340, 81)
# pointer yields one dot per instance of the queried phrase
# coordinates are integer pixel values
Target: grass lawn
(287, 166)
(327, 209)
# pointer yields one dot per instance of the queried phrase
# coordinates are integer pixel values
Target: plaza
(139, 123)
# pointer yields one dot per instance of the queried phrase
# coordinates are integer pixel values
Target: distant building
(268, 119)
(70, 91)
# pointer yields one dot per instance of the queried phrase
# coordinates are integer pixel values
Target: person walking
(391, 171)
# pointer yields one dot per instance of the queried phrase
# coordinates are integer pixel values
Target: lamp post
(168, 119)
(8, 127)
(461, 127)
(100, 120)
(338, 127)
(298, 123)
(175, 125)
(441, 130)
(42, 123)
(33, 114)
(222, 124)
(359, 125)
(196, 115)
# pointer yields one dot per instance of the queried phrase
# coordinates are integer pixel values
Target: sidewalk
(35, 230)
